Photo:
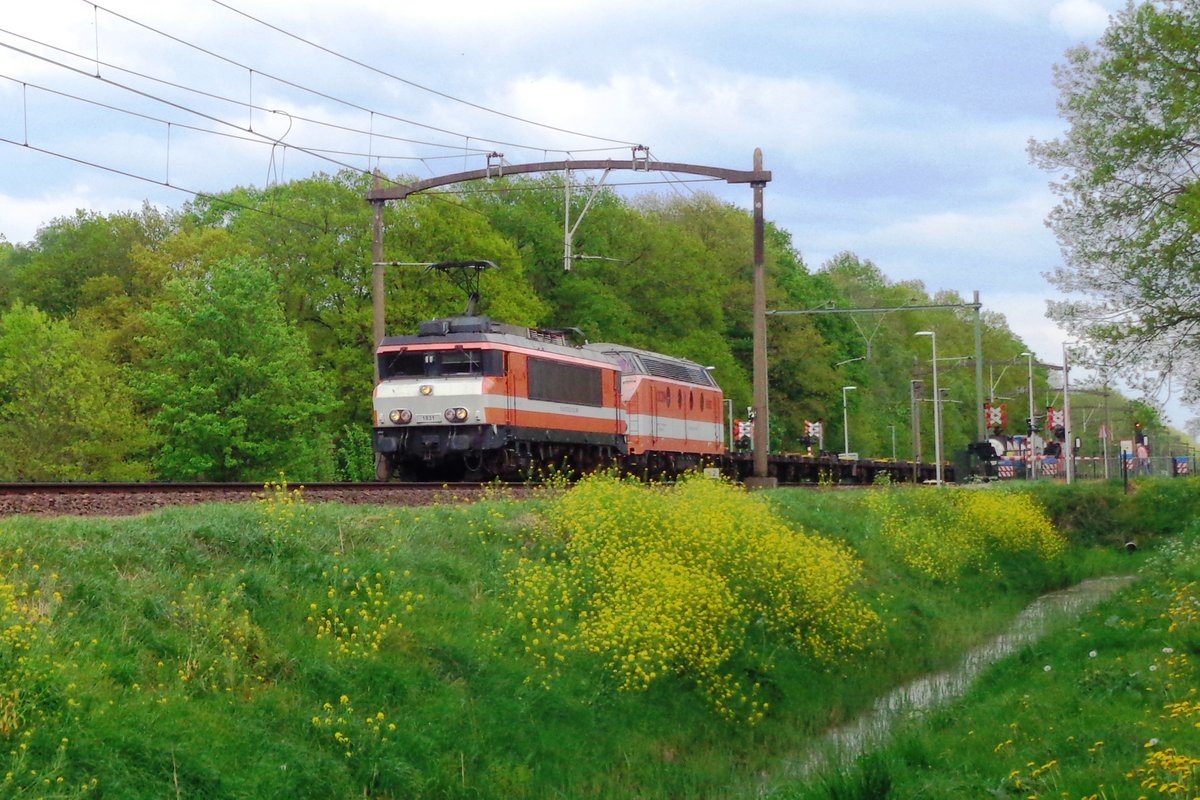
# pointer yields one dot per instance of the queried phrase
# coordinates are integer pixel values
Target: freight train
(472, 398)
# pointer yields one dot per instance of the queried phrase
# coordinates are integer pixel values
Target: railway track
(124, 499)
(113, 499)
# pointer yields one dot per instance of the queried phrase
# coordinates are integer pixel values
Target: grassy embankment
(613, 641)
(1108, 708)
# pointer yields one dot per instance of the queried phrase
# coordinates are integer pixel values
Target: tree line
(230, 339)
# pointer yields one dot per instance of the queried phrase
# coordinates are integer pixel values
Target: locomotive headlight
(426, 389)
(400, 416)
(455, 415)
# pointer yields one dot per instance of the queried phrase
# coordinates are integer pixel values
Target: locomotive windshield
(440, 363)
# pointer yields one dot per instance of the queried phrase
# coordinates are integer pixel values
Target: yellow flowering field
(698, 582)
(946, 533)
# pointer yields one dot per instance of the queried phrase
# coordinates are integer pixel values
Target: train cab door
(660, 414)
(620, 418)
(631, 401)
(516, 382)
(688, 411)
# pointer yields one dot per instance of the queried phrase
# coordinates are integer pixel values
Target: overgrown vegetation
(284, 649)
(942, 535)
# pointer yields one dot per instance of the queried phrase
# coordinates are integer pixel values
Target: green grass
(177, 659)
(1083, 713)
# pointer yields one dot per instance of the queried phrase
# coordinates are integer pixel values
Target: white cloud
(1026, 315)
(1012, 230)
(23, 216)
(1082, 19)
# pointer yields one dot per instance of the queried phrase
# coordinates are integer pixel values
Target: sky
(894, 129)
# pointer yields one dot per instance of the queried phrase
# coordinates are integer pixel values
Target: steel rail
(128, 487)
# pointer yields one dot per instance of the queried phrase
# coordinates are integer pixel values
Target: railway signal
(996, 416)
(743, 433)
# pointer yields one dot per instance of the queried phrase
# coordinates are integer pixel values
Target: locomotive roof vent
(678, 370)
(470, 325)
(434, 327)
(446, 326)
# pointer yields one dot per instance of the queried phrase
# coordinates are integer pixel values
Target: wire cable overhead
(415, 85)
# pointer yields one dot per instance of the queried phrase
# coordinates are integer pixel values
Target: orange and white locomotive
(672, 410)
(470, 397)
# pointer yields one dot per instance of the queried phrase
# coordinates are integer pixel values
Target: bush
(355, 455)
(946, 533)
(1093, 512)
(701, 582)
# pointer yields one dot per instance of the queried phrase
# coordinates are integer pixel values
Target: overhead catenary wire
(674, 181)
(179, 106)
(256, 139)
(262, 138)
(415, 85)
(317, 92)
(194, 192)
(232, 101)
(255, 136)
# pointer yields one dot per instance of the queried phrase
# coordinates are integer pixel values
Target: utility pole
(980, 422)
(915, 387)
(762, 419)
(377, 275)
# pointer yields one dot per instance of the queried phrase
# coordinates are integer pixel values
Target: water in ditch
(844, 744)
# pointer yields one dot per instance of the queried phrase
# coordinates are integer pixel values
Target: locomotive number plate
(428, 417)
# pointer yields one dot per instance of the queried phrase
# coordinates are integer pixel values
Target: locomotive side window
(565, 383)
(402, 365)
(493, 363)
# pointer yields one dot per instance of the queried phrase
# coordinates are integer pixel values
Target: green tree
(1126, 171)
(65, 412)
(6, 278)
(52, 271)
(315, 236)
(229, 382)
